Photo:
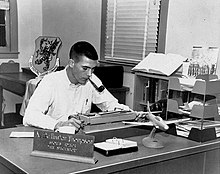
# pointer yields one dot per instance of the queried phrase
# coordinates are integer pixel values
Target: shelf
(149, 87)
(202, 98)
(207, 87)
(152, 75)
(206, 90)
(144, 103)
(198, 111)
(198, 86)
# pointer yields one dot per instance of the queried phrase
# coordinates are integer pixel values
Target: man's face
(83, 69)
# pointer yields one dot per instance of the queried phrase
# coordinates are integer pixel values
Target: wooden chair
(45, 60)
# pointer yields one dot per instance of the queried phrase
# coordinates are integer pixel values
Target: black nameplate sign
(73, 147)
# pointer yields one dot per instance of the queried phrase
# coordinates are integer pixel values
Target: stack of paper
(183, 129)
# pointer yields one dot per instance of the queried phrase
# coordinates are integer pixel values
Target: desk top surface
(17, 151)
(19, 77)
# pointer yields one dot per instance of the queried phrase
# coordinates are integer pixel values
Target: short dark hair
(83, 48)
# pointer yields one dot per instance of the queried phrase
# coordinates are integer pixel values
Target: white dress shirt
(56, 98)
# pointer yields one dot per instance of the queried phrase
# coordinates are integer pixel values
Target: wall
(29, 28)
(192, 23)
(72, 21)
(129, 82)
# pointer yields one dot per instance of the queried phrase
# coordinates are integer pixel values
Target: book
(158, 63)
(115, 146)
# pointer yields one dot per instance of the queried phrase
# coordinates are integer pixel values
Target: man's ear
(71, 63)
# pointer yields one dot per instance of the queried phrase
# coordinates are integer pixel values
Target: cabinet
(149, 87)
(204, 94)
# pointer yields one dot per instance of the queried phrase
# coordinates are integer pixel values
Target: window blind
(131, 29)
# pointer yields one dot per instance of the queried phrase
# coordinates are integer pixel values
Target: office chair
(45, 60)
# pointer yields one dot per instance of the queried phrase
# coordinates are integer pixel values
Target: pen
(118, 109)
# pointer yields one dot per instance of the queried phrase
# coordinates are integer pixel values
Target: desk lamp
(150, 141)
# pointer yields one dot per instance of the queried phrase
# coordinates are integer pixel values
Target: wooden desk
(179, 155)
(15, 83)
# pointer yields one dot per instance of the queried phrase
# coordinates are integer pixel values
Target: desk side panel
(8, 168)
(212, 162)
(191, 164)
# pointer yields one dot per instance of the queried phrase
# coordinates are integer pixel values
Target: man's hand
(75, 121)
(72, 121)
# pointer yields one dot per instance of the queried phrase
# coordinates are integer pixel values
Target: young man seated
(61, 95)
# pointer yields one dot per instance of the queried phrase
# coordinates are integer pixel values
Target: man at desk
(61, 95)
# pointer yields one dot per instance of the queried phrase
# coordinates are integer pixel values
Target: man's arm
(35, 113)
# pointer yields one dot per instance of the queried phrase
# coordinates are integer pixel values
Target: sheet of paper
(182, 133)
(115, 143)
(21, 134)
(184, 130)
(122, 142)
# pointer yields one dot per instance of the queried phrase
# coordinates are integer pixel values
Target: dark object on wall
(112, 79)
(111, 76)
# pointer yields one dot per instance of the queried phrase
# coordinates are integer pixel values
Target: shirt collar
(67, 81)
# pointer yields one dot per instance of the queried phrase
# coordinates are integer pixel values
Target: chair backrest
(45, 58)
